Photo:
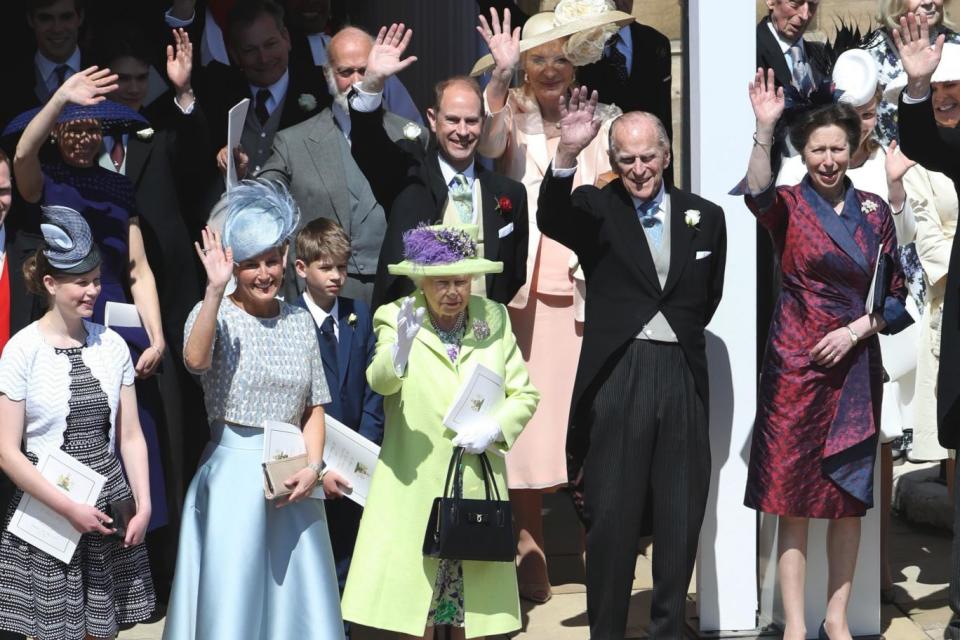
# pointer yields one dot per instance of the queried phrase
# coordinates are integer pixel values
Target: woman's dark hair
(35, 268)
(841, 115)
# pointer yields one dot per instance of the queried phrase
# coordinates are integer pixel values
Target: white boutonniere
(307, 101)
(868, 206)
(692, 218)
(352, 320)
(411, 131)
(145, 134)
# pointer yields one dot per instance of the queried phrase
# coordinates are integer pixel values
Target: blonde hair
(890, 12)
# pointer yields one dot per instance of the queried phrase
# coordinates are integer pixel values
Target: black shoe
(952, 630)
(822, 633)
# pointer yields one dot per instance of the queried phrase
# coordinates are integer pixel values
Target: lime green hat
(441, 250)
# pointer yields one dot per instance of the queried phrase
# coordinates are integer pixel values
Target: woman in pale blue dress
(247, 568)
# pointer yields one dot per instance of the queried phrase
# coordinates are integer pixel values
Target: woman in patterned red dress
(818, 412)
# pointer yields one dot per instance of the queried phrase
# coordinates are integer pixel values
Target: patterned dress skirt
(105, 585)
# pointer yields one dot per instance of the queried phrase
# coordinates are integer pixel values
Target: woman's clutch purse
(276, 472)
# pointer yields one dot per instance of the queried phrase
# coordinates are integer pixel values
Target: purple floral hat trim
(429, 246)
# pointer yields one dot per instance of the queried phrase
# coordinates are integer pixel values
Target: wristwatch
(320, 468)
(853, 335)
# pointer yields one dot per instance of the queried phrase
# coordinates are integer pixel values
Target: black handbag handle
(456, 473)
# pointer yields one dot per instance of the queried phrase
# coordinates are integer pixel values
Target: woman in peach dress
(521, 133)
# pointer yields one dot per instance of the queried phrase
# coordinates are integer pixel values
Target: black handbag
(466, 529)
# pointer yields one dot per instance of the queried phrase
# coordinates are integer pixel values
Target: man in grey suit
(314, 160)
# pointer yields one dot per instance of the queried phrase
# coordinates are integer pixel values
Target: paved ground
(919, 555)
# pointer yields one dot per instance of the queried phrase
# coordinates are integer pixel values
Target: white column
(722, 53)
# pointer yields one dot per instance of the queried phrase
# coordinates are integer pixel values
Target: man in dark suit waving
(446, 187)
(654, 261)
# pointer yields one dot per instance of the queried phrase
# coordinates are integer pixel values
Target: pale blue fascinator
(255, 216)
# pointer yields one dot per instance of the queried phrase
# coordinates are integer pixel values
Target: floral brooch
(352, 320)
(307, 101)
(481, 329)
(504, 206)
(868, 206)
(692, 218)
(145, 134)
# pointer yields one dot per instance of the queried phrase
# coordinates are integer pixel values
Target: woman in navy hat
(66, 385)
(246, 569)
(76, 117)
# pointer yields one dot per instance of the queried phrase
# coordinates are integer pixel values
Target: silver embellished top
(262, 368)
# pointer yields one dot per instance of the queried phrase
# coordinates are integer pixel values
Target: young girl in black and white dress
(65, 383)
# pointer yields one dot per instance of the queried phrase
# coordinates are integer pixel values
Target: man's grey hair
(663, 138)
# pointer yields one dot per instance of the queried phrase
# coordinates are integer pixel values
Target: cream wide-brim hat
(542, 28)
(947, 71)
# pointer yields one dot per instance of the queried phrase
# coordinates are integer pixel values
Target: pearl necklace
(453, 338)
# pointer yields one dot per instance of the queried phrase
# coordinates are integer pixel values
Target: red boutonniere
(504, 205)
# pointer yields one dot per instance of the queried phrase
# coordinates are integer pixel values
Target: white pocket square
(703, 254)
(504, 231)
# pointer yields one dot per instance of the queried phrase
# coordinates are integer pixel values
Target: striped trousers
(649, 449)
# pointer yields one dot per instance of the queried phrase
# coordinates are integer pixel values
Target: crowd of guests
(350, 258)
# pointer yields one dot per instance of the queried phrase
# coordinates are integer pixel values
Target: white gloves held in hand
(475, 438)
(409, 321)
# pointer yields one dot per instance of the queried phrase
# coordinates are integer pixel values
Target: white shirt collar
(48, 67)
(319, 315)
(277, 91)
(784, 43)
(449, 172)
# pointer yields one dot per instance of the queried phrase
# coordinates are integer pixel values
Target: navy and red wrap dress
(815, 437)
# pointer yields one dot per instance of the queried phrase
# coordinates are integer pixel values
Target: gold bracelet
(761, 144)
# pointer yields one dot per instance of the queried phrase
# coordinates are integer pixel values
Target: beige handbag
(276, 472)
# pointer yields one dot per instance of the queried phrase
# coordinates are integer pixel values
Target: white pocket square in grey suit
(505, 230)
(703, 254)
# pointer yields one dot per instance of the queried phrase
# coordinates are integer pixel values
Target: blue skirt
(246, 569)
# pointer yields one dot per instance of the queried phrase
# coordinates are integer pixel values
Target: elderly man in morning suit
(654, 260)
(314, 160)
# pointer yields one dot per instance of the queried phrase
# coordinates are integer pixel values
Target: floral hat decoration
(442, 251)
(587, 23)
(255, 216)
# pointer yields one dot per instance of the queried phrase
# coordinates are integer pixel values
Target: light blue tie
(647, 213)
(802, 74)
(462, 196)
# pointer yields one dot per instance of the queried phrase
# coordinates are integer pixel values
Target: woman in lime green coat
(427, 346)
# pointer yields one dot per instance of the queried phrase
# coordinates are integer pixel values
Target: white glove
(476, 437)
(409, 321)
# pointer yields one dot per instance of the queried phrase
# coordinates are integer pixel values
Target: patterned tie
(647, 213)
(802, 74)
(261, 107)
(462, 196)
(328, 351)
(61, 72)
(616, 58)
(117, 152)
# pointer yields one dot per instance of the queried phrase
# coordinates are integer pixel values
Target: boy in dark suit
(345, 333)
